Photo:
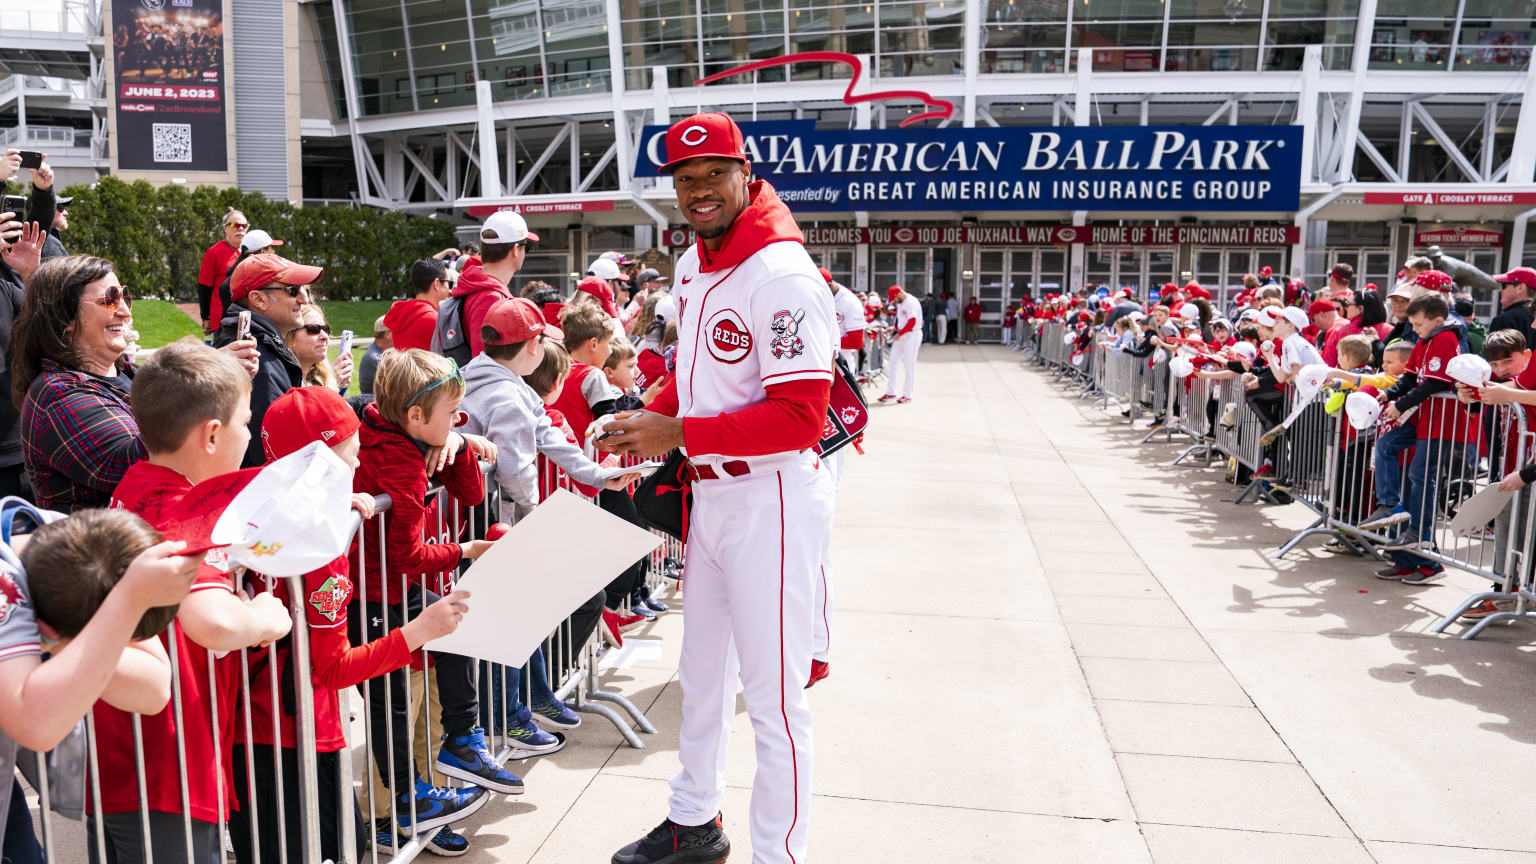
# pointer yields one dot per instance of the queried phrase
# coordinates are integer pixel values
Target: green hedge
(157, 235)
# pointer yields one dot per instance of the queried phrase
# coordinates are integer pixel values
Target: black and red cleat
(671, 843)
(819, 670)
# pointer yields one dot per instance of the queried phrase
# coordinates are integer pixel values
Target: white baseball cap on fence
(1469, 369)
(1362, 409)
(1068, 337)
(504, 227)
(1310, 379)
(1181, 367)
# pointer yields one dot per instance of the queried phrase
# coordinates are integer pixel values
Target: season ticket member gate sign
(168, 61)
(1244, 168)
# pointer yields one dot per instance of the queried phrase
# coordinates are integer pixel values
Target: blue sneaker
(523, 734)
(638, 607)
(448, 844)
(556, 714)
(436, 807)
(384, 834)
(644, 598)
(466, 758)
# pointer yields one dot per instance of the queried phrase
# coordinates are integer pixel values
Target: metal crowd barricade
(1189, 412)
(1238, 430)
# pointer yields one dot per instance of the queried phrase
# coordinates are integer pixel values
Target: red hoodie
(394, 464)
(478, 291)
(411, 323)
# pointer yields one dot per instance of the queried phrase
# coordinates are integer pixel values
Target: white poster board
(536, 575)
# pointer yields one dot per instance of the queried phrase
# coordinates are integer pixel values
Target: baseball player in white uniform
(850, 319)
(753, 374)
(908, 335)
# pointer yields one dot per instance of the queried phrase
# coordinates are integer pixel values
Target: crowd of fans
(469, 380)
(1401, 347)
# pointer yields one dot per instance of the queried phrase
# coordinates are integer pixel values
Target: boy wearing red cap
(302, 416)
(191, 404)
(904, 344)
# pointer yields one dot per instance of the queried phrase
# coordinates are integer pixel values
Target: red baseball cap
(1519, 275)
(825, 274)
(259, 271)
(552, 314)
(1265, 270)
(1320, 306)
(598, 287)
(306, 414)
(516, 319)
(704, 135)
(1434, 280)
(892, 291)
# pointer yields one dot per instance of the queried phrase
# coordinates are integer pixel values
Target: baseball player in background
(904, 342)
(850, 320)
(754, 370)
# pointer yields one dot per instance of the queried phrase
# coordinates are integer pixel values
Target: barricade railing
(1334, 470)
(275, 791)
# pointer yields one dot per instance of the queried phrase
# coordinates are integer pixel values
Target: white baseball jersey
(908, 309)
(766, 321)
(850, 312)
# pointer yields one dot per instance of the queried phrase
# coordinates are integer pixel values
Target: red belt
(735, 468)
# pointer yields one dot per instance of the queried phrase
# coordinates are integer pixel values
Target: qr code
(173, 141)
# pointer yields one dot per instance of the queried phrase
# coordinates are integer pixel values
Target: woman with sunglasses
(309, 343)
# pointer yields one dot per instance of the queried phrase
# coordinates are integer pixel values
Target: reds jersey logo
(727, 337)
(786, 327)
(331, 597)
(1434, 364)
(10, 598)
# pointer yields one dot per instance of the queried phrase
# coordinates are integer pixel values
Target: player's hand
(483, 446)
(1512, 483)
(475, 548)
(643, 433)
(1390, 412)
(437, 620)
(343, 370)
(273, 619)
(618, 483)
(245, 351)
(26, 248)
(362, 502)
(160, 575)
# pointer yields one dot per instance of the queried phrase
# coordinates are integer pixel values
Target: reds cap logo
(727, 336)
(693, 136)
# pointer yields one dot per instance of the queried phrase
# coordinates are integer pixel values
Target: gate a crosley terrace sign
(1135, 168)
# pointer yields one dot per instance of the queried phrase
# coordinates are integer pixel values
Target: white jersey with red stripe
(908, 309)
(768, 320)
(850, 312)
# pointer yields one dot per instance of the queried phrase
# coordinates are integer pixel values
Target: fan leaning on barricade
(754, 371)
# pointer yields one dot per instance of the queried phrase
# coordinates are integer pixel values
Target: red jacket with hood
(411, 323)
(393, 463)
(793, 415)
(478, 291)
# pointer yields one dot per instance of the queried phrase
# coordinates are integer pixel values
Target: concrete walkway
(1051, 648)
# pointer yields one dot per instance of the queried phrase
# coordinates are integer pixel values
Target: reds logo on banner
(727, 337)
(331, 597)
(679, 237)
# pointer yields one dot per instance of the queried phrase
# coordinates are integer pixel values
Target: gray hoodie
(502, 407)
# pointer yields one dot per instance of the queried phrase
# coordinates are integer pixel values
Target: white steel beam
(425, 172)
(538, 164)
(1522, 160)
(1220, 110)
(1451, 150)
(586, 182)
(1381, 161)
(1084, 87)
(1359, 60)
(1306, 108)
(973, 19)
(617, 85)
(485, 131)
(1404, 139)
(1490, 124)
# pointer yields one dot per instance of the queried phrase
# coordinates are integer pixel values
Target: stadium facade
(1043, 153)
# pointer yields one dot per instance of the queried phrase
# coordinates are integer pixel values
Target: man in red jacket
(412, 321)
(504, 240)
(749, 399)
(972, 321)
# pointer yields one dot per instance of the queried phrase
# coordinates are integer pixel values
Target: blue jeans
(1430, 459)
(1389, 478)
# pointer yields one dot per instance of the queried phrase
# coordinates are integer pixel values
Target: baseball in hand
(497, 531)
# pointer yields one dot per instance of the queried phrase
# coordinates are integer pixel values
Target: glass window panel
(1115, 35)
(829, 25)
(1211, 59)
(1285, 42)
(1118, 10)
(325, 23)
(1494, 48)
(440, 53)
(1514, 9)
(379, 56)
(1213, 33)
(1215, 9)
(1410, 45)
(1416, 9)
(1313, 9)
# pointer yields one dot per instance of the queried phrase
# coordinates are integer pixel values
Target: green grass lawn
(159, 323)
(355, 315)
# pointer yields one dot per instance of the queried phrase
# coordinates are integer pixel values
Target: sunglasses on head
(291, 290)
(314, 329)
(116, 296)
(455, 375)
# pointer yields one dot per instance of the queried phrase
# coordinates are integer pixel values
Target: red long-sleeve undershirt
(907, 328)
(790, 419)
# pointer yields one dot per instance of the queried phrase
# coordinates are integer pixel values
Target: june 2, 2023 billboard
(168, 57)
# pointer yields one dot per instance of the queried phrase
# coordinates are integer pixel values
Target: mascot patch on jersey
(786, 328)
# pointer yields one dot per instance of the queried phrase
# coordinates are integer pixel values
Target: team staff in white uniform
(850, 319)
(909, 334)
(753, 374)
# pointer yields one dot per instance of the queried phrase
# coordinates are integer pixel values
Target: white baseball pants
(754, 548)
(821, 609)
(903, 361)
(940, 328)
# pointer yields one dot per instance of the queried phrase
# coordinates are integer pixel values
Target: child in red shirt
(299, 417)
(192, 404)
(407, 441)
